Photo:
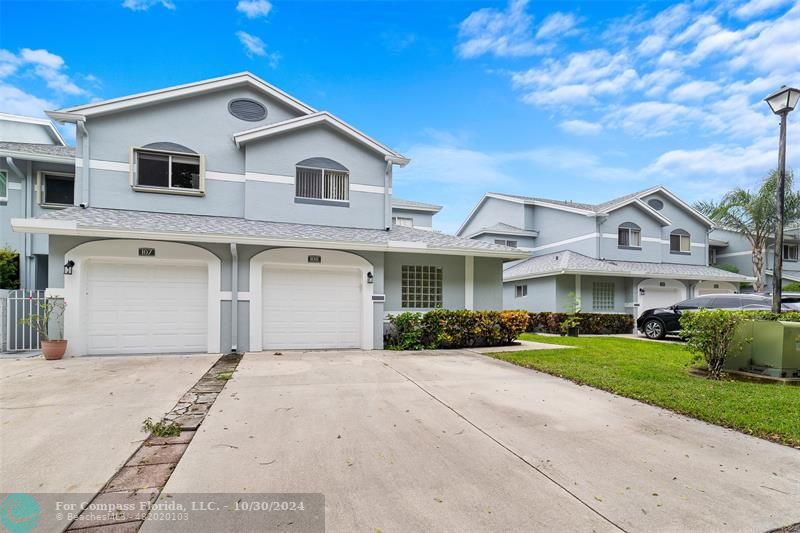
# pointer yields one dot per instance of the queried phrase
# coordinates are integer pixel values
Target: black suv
(656, 323)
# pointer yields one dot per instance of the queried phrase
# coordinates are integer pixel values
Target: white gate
(22, 303)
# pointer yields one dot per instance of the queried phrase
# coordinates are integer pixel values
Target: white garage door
(660, 297)
(311, 308)
(147, 308)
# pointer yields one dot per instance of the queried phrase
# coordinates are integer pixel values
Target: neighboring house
(643, 250)
(411, 214)
(731, 248)
(36, 175)
(228, 215)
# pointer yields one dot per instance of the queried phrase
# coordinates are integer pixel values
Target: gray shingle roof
(572, 262)
(190, 226)
(598, 208)
(503, 228)
(411, 204)
(38, 149)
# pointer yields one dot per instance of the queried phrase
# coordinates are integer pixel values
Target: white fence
(20, 304)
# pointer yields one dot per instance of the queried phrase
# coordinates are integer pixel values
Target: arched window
(320, 178)
(168, 167)
(680, 242)
(629, 235)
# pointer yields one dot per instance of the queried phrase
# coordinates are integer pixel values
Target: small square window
(56, 189)
(421, 287)
(602, 296)
(520, 291)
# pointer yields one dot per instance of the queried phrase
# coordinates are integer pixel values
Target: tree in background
(9, 269)
(754, 215)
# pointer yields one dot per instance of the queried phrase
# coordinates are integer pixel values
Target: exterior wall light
(68, 267)
(370, 278)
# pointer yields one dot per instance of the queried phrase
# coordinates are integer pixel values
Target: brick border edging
(143, 476)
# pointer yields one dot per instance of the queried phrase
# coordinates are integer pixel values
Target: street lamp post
(781, 102)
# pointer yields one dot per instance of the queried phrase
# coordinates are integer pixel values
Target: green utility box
(774, 350)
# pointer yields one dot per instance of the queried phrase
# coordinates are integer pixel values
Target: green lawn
(657, 373)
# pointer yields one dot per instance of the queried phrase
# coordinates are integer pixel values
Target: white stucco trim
(735, 254)
(14, 186)
(736, 278)
(298, 257)
(224, 176)
(179, 91)
(115, 166)
(567, 241)
(42, 158)
(270, 178)
(357, 187)
(127, 252)
(657, 240)
(469, 283)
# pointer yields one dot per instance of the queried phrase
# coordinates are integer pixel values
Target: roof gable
(42, 122)
(81, 112)
(318, 119)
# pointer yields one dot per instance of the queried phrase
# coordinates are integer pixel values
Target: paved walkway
(461, 442)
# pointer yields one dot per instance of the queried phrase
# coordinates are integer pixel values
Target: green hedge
(441, 328)
(591, 323)
(9, 269)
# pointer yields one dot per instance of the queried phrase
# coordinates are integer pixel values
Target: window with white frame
(679, 242)
(56, 188)
(602, 296)
(790, 252)
(407, 222)
(320, 178)
(3, 186)
(629, 235)
(421, 286)
(506, 242)
(520, 291)
(162, 171)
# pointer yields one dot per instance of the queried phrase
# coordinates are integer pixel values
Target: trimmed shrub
(442, 328)
(590, 323)
(710, 335)
(9, 269)
(792, 287)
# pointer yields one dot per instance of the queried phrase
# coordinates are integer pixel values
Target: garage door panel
(304, 309)
(141, 308)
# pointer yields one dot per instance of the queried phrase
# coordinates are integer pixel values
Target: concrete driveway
(461, 442)
(67, 426)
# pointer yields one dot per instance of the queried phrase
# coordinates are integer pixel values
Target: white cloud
(757, 7)
(652, 118)
(254, 8)
(45, 65)
(18, 102)
(144, 5)
(255, 46)
(694, 91)
(557, 25)
(500, 33)
(652, 44)
(581, 127)
(42, 57)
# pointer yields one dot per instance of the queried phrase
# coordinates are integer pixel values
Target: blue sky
(572, 100)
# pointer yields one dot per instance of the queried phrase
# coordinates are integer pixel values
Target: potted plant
(570, 326)
(50, 309)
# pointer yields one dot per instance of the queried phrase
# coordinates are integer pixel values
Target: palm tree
(754, 215)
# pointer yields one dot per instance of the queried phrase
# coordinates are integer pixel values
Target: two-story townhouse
(729, 247)
(36, 175)
(639, 251)
(228, 215)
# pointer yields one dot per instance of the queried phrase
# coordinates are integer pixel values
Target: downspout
(387, 196)
(85, 153)
(234, 298)
(27, 212)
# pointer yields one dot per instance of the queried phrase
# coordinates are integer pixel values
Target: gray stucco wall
(541, 295)
(555, 225)
(488, 282)
(422, 219)
(681, 219)
(522, 242)
(22, 132)
(651, 251)
(493, 211)
(453, 269)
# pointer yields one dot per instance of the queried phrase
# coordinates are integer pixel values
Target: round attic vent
(656, 204)
(246, 109)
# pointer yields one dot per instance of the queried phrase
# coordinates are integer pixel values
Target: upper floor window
(3, 186)
(679, 242)
(56, 189)
(320, 178)
(629, 235)
(506, 242)
(168, 171)
(521, 291)
(790, 252)
(407, 222)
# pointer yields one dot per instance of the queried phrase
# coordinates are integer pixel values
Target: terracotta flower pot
(54, 350)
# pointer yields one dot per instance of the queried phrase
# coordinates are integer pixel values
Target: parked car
(789, 300)
(656, 323)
